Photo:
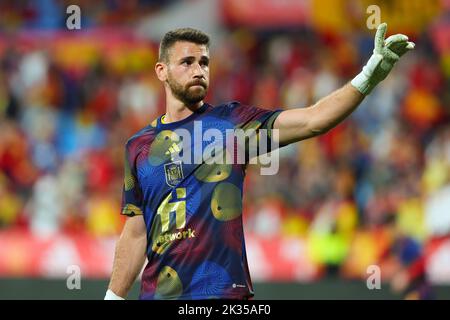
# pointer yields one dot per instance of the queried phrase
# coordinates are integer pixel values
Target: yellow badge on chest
(174, 173)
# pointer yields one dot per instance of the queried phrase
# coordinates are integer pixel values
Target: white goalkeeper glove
(385, 54)
(110, 295)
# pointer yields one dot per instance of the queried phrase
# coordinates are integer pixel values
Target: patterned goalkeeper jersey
(192, 207)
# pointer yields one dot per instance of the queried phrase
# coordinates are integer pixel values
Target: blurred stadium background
(373, 191)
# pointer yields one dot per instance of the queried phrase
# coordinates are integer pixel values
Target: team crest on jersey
(174, 173)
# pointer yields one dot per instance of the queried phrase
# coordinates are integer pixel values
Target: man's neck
(176, 111)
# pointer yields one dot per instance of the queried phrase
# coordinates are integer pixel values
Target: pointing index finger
(379, 37)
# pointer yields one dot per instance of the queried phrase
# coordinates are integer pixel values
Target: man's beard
(185, 94)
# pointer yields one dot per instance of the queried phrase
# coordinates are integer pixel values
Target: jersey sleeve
(251, 117)
(132, 193)
(256, 120)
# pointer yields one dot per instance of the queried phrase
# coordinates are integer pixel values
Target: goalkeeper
(186, 218)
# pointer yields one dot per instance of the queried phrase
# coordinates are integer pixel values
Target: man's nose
(198, 71)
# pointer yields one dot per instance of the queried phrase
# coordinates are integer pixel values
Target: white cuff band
(366, 80)
(112, 296)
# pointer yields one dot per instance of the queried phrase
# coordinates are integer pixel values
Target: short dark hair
(181, 34)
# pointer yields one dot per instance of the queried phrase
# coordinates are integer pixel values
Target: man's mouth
(199, 83)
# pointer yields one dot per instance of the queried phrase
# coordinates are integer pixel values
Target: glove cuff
(361, 83)
(366, 80)
(110, 295)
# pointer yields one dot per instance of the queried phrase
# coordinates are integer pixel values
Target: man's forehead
(184, 49)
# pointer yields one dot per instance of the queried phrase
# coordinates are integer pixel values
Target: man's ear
(161, 71)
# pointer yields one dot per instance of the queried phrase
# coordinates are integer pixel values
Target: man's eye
(186, 63)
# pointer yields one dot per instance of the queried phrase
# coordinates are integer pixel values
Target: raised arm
(129, 258)
(299, 124)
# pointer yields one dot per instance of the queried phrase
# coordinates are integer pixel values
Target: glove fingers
(411, 45)
(379, 37)
(398, 48)
(395, 38)
(407, 47)
(401, 48)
